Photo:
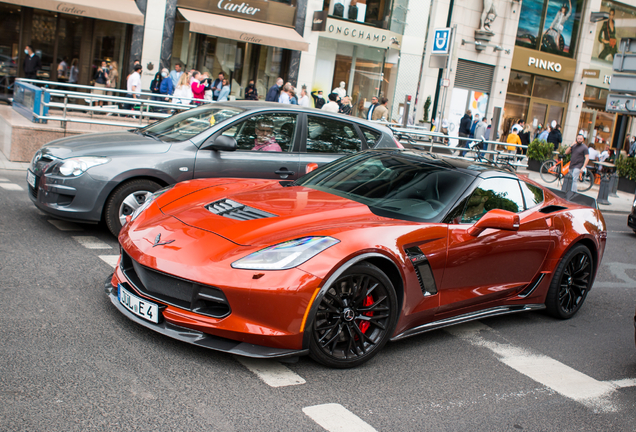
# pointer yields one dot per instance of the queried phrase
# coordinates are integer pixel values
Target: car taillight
(398, 144)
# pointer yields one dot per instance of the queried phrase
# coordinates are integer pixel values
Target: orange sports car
(376, 246)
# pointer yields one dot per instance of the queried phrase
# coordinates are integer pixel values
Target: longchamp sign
(349, 31)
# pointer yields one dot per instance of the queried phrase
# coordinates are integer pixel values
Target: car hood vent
(233, 210)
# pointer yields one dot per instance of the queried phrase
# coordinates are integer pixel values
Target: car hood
(104, 144)
(271, 213)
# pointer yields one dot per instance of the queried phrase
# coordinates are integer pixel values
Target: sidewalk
(622, 204)
(13, 166)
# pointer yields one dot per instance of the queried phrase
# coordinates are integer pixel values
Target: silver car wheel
(131, 203)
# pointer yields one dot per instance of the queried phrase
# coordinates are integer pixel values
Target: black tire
(571, 282)
(355, 318)
(586, 183)
(544, 171)
(124, 200)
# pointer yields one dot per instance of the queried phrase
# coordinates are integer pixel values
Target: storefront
(244, 41)
(65, 35)
(600, 126)
(538, 89)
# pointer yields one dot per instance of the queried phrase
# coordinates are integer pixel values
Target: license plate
(140, 307)
(31, 179)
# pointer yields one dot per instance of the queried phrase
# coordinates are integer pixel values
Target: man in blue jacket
(464, 129)
(274, 92)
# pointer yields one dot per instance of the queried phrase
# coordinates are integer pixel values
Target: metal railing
(494, 152)
(64, 106)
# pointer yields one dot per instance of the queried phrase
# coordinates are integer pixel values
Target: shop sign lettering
(70, 9)
(248, 38)
(355, 33)
(544, 64)
(242, 8)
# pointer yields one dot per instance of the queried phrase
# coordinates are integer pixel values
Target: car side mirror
(222, 142)
(310, 167)
(497, 219)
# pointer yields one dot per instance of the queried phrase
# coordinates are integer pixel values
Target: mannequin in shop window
(340, 91)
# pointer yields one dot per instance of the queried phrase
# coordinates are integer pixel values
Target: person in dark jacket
(555, 137)
(250, 91)
(274, 92)
(473, 126)
(32, 63)
(464, 129)
(319, 101)
(155, 86)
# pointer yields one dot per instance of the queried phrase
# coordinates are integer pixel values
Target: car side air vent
(552, 208)
(422, 269)
(233, 210)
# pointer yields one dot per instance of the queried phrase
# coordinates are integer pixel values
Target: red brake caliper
(364, 325)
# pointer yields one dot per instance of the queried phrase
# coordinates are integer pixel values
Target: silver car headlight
(285, 255)
(77, 166)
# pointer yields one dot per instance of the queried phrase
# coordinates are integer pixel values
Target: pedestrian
(632, 147)
(166, 88)
(284, 94)
(593, 154)
(183, 93)
(480, 131)
(304, 99)
(133, 85)
(250, 91)
(292, 96)
(62, 70)
(113, 75)
(464, 129)
(372, 107)
(381, 112)
(513, 138)
(32, 63)
(224, 92)
(524, 136)
(101, 81)
(73, 74)
(217, 85)
(543, 136)
(579, 159)
(473, 126)
(175, 74)
(555, 137)
(155, 86)
(198, 88)
(345, 106)
(274, 91)
(332, 105)
(319, 100)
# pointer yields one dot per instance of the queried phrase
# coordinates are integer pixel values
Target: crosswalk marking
(543, 369)
(271, 372)
(111, 260)
(336, 418)
(65, 226)
(11, 186)
(90, 242)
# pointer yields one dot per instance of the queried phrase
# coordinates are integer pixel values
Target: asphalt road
(70, 361)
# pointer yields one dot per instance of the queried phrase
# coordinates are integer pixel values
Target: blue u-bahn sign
(441, 41)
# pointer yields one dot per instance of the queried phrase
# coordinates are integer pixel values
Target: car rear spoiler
(575, 197)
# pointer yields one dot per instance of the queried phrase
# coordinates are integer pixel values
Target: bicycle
(552, 171)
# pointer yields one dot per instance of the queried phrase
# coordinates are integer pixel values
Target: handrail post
(64, 111)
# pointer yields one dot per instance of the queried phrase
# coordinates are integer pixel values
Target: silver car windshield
(185, 125)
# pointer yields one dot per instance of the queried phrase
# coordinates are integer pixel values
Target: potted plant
(626, 167)
(538, 151)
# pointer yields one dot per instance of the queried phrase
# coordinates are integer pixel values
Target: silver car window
(188, 124)
(265, 132)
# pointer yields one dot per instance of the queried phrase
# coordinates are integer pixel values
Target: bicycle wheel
(586, 183)
(548, 171)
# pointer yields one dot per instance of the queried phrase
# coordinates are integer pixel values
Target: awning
(124, 11)
(244, 30)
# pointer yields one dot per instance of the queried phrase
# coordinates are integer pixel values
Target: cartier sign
(255, 10)
(349, 31)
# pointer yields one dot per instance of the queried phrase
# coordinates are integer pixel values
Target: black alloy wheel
(355, 318)
(571, 283)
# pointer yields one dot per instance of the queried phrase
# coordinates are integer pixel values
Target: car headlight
(285, 255)
(74, 167)
(149, 200)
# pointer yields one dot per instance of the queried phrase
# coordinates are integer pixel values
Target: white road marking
(627, 382)
(2, 179)
(543, 369)
(90, 242)
(11, 186)
(336, 418)
(271, 372)
(619, 270)
(111, 260)
(65, 226)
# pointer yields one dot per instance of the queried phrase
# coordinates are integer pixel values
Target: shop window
(268, 132)
(373, 12)
(9, 49)
(494, 193)
(516, 108)
(551, 26)
(548, 88)
(520, 83)
(326, 135)
(43, 40)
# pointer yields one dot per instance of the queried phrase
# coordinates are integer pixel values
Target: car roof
(477, 169)
(275, 106)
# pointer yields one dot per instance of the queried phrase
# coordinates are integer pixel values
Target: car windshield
(395, 185)
(187, 124)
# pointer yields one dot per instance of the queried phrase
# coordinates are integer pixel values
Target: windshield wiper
(147, 134)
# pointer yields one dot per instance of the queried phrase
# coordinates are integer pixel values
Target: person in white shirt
(284, 94)
(332, 105)
(592, 153)
(605, 154)
(304, 99)
(133, 85)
